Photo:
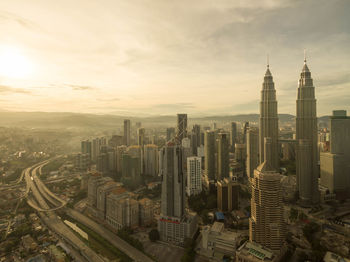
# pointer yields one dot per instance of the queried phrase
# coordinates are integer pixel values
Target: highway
(37, 194)
(116, 241)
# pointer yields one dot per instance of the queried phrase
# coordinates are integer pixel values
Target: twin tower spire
(306, 133)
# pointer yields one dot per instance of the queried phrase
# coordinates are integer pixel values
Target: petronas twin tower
(306, 133)
(266, 224)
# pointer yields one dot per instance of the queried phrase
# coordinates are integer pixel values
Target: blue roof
(219, 216)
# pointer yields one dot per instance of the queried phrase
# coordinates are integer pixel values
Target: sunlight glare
(13, 64)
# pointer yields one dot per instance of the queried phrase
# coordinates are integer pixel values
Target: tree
(153, 235)
(302, 256)
(293, 214)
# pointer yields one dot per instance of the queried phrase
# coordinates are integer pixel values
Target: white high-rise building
(194, 176)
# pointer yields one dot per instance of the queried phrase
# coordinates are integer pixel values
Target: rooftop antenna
(304, 56)
(268, 62)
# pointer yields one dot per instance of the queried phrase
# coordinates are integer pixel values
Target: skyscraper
(174, 225)
(181, 130)
(151, 160)
(266, 224)
(173, 185)
(196, 138)
(306, 135)
(233, 136)
(194, 175)
(141, 137)
(252, 151)
(170, 133)
(127, 132)
(223, 156)
(335, 164)
(268, 121)
(86, 148)
(227, 195)
(209, 154)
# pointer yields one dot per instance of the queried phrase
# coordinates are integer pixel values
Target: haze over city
(162, 57)
(175, 131)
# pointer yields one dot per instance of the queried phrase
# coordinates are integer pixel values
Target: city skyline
(129, 58)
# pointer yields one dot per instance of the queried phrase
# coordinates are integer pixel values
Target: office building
(306, 136)
(245, 129)
(86, 148)
(223, 156)
(233, 136)
(151, 160)
(335, 164)
(194, 176)
(267, 226)
(181, 130)
(81, 161)
(227, 195)
(170, 133)
(101, 196)
(96, 143)
(268, 120)
(141, 137)
(95, 180)
(241, 154)
(209, 154)
(195, 138)
(127, 132)
(122, 211)
(218, 242)
(174, 225)
(116, 141)
(252, 161)
(119, 158)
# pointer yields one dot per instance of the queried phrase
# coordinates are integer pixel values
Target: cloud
(338, 79)
(108, 99)
(80, 87)
(26, 23)
(8, 89)
(176, 106)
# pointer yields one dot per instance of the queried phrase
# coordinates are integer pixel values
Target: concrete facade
(194, 176)
(209, 154)
(335, 164)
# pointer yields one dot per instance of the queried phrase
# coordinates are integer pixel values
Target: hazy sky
(164, 56)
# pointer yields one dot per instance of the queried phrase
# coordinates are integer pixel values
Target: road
(34, 191)
(116, 241)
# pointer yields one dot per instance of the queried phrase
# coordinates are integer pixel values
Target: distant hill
(94, 121)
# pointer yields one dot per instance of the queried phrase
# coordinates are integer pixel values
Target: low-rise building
(332, 257)
(253, 252)
(218, 242)
(176, 230)
(29, 243)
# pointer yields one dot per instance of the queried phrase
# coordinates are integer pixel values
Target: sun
(13, 64)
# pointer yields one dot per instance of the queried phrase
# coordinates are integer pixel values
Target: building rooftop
(218, 227)
(332, 257)
(219, 216)
(255, 251)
